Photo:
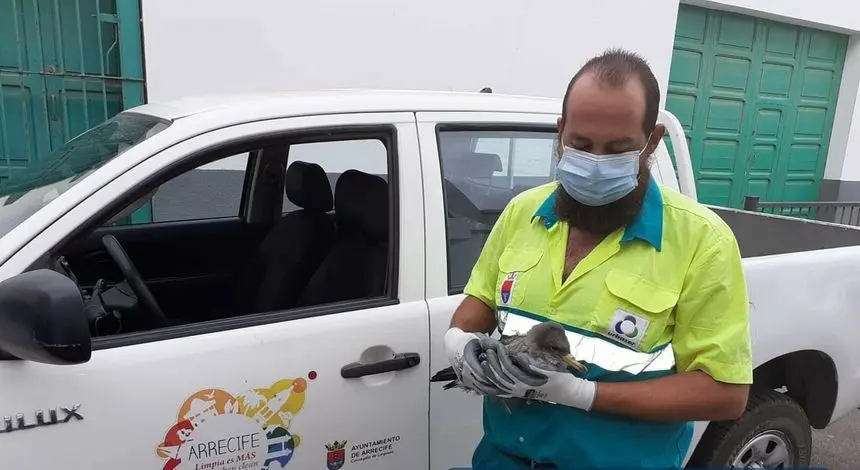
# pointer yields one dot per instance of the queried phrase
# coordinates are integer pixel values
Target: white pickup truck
(285, 305)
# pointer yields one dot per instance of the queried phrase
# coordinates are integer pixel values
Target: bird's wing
(452, 384)
(505, 339)
(548, 362)
(516, 344)
(444, 375)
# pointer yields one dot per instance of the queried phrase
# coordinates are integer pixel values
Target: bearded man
(647, 283)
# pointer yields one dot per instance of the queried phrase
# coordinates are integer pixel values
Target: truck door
(482, 160)
(316, 363)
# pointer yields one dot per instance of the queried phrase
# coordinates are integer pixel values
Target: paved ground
(836, 447)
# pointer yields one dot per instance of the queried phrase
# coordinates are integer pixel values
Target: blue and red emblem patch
(507, 288)
(335, 455)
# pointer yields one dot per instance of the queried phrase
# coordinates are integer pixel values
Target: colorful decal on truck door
(250, 431)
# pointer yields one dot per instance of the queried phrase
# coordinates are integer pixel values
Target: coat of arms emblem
(336, 455)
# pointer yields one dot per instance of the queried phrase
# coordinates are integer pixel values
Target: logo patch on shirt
(507, 288)
(627, 328)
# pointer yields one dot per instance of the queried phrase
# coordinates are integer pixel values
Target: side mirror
(42, 319)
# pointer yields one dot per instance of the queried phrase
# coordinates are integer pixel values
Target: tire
(770, 418)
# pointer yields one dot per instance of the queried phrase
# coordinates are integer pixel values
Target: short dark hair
(613, 68)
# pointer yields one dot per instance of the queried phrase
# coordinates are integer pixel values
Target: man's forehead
(594, 105)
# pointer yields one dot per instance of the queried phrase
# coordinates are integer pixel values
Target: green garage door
(756, 99)
(65, 66)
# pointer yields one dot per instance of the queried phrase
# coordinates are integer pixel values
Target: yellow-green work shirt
(669, 284)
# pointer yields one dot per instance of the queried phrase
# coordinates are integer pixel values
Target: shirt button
(553, 311)
(521, 439)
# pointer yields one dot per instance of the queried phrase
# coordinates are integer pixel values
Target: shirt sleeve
(483, 279)
(712, 331)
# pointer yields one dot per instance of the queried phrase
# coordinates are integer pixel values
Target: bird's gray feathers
(544, 346)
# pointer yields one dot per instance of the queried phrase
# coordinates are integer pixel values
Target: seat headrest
(473, 164)
(361, 203)
(308, 187)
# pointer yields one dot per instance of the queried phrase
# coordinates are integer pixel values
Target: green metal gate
(757, 100)
(65, 66)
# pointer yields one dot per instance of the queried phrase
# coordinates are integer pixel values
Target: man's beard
(602, 220)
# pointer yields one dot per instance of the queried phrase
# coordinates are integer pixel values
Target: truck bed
(761, 234)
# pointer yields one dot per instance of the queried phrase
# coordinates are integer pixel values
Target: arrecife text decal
(250, 431)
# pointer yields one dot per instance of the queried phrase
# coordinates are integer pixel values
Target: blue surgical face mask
(597, 180)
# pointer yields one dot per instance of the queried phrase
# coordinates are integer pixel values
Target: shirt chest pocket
(635, 310)
(518, 270)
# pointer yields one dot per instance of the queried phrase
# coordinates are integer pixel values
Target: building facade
(765, 89)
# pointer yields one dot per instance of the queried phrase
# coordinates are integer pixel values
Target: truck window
(208, 261)
(210, 191)
(482, 170)
(335, 157)
(26, 191)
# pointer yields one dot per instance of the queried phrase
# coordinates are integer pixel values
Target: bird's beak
(569, 360)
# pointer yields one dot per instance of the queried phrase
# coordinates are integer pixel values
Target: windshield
(29, 189)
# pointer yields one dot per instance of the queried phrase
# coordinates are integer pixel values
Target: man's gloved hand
(523, 379)
(464, 352)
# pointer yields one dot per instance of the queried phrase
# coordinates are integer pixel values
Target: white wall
(513, 46)
(845, 138)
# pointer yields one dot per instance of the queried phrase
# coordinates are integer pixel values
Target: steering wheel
(135, 280)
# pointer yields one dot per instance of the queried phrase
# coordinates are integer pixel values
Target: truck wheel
(773, 432)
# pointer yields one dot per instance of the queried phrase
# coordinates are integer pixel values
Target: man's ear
(558, 145)
(654, 141)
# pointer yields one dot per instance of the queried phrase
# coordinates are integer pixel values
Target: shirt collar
(648, 225)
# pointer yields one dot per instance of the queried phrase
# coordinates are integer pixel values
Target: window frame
(247, 177)
(386, 132)
(326, 136)
(319, 138)
(474, 126)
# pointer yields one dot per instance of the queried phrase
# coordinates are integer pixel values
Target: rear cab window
(482, 171)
